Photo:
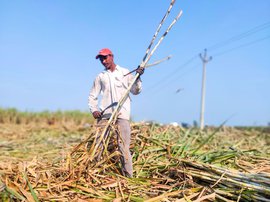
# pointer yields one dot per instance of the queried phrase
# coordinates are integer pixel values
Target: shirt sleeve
(93, 95)
(137, 86)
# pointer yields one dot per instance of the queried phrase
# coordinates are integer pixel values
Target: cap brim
(101, 55)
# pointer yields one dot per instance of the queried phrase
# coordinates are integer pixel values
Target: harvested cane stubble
(167, 166)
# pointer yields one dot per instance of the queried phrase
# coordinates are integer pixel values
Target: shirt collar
(108, 71)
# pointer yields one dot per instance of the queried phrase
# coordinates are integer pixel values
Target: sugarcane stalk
(159, 61)
(143, 64)
(152, 64)
(223, 193)
(158, 29)
(145, 61)
(226, 180)
(256, 179)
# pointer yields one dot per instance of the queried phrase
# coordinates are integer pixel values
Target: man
(112, 84)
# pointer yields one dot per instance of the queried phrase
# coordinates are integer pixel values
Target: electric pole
(205, 60)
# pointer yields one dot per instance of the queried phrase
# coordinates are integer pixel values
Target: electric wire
(240, 36)
(172, 74)
(191, 69)
(168, 79)
(241, 46)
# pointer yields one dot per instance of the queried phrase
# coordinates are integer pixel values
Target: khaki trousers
(123, 142)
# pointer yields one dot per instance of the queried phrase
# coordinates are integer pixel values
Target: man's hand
(140, 70)
(96, 114)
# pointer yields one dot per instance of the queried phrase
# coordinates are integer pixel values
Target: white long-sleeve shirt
(112, 86)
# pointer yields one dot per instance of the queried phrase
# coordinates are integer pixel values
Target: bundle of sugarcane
(230, 184)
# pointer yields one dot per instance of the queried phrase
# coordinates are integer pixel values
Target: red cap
(104, 52)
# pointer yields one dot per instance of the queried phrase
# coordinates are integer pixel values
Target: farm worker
(111, 84)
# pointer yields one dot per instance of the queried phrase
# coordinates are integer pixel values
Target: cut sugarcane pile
(170, 164)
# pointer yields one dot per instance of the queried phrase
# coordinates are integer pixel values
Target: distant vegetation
(13, 116)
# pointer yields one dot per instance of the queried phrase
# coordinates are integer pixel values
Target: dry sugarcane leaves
(165, 165)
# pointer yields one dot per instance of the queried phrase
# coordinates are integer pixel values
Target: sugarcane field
(44, 157)
(185, 119)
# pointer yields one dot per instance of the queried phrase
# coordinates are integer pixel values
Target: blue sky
(48, 48)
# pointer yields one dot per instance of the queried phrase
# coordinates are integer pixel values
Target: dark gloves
(97, 114)
(140, 70)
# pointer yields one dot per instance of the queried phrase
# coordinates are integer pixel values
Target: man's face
(107, 61)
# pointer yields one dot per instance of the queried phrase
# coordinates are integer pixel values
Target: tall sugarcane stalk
(143, 64)
(158, 29)
(145, 61)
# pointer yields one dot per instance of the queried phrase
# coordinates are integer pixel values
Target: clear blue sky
(48, 48)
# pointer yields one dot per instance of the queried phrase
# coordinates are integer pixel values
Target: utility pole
(205, 60)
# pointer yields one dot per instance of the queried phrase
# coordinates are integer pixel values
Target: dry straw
(166, 168)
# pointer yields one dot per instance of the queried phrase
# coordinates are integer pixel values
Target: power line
(177, 78)
(240, 36)
(215, 55)
(242, 46)
(165, 81)
(173, 73)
